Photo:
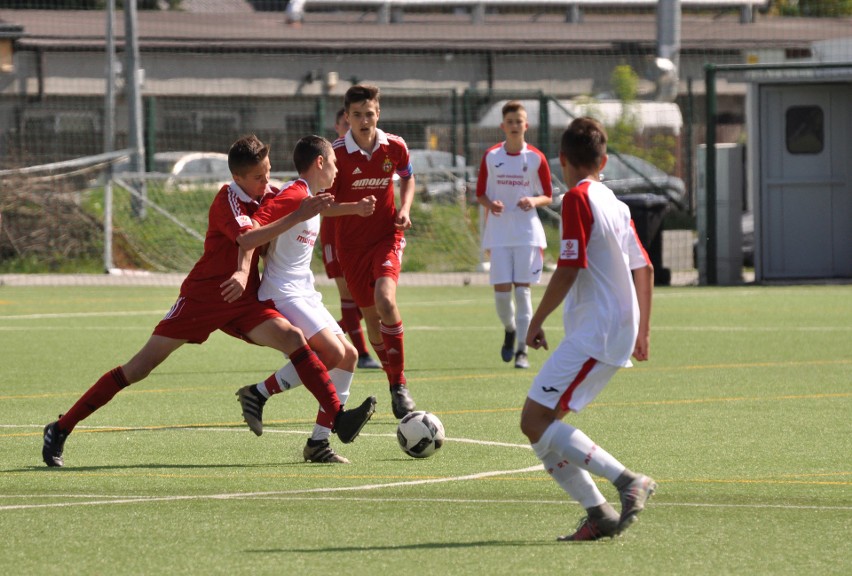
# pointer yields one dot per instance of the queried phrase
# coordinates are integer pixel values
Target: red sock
(380, 352)
(314, 376)
(99, 394)
(351, 324)
(272, 385)
(323, 419)
(395, 352)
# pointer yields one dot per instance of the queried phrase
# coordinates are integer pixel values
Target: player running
(370, 249)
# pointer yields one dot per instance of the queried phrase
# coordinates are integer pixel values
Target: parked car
(439, 176)
(185, 169)
(627, 174)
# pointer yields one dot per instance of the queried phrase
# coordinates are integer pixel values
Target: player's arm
(557, 289)
(544, 184)
(363, 207)
(643, 279)
(233, 287)
(495, 207)
(406, 197)
(260, 235)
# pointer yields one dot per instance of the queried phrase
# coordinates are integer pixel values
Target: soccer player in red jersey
(370, 249)
(220, 293)
(351, 314)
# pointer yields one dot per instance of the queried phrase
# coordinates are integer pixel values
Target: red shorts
(194, 320)
(332, 264)
(363, 267)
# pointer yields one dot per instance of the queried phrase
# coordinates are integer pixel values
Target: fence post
(710, 172)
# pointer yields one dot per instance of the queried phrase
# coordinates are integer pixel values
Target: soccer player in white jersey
(514, 180)
(606, 280)
(289, 283)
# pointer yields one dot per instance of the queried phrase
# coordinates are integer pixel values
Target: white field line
(317, 493)
(240, 495)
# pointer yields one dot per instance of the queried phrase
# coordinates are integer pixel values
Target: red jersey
(229, 216)
(359, 176)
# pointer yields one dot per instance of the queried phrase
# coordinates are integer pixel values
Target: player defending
(370, 249)
(220, 292)
(514, 179)
(607, 316)
(351, 314)
(289, 283)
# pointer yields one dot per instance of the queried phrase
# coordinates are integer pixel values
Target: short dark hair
(339, 115)
(246, 153)
(360, 93)
(584, 143)
(308, 149)
(512, 106)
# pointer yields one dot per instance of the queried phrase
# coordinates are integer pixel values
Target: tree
(814, 8)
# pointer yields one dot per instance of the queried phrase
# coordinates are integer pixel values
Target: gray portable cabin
(800, 167)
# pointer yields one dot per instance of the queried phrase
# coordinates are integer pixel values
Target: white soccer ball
(420, 434)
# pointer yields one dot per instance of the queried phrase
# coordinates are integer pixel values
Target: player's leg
(317, 448)
(527, 263)
(351, 324)
(392, 335)
(279, 334)
(152, 354)
(568, 381)
(500, 275)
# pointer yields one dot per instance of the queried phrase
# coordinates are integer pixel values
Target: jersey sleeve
(544, 176)
(229, 215)
(278, 207)
(577, 223)
(636, 254)
(482, 178)
(403, 166)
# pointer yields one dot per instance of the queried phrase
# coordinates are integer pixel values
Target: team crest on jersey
(387, 165)
(570, 250)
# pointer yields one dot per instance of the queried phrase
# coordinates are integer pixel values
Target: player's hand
(402, 221)
(233, 287)
(313, 205)
(536, 338)
(366, 206)
(642, 349)
(525, 204)
(497, 207)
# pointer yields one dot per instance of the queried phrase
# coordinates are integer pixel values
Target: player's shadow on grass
(419, 546)
(71, 469)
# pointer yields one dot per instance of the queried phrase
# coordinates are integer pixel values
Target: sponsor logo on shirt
(387, 165)
(243, 220)
(307, 237)
(387, 264)
(356, 171)
(570, 250)
(512, 181)
(370, 183)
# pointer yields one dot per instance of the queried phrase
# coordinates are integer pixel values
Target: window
(805, 127)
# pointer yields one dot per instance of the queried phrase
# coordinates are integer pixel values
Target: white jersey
(288, 259)
(601, 311)
(508, 178)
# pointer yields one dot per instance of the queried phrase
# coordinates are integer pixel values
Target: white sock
(342, 383)
(505, 309)
(573, 445)
(575, 481)
(523, 302)
(287, 378)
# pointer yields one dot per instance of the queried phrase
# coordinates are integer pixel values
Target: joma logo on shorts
(371, 183)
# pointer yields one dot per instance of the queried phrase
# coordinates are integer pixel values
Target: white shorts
(307, 313)
(516, 264)
(569, 379)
